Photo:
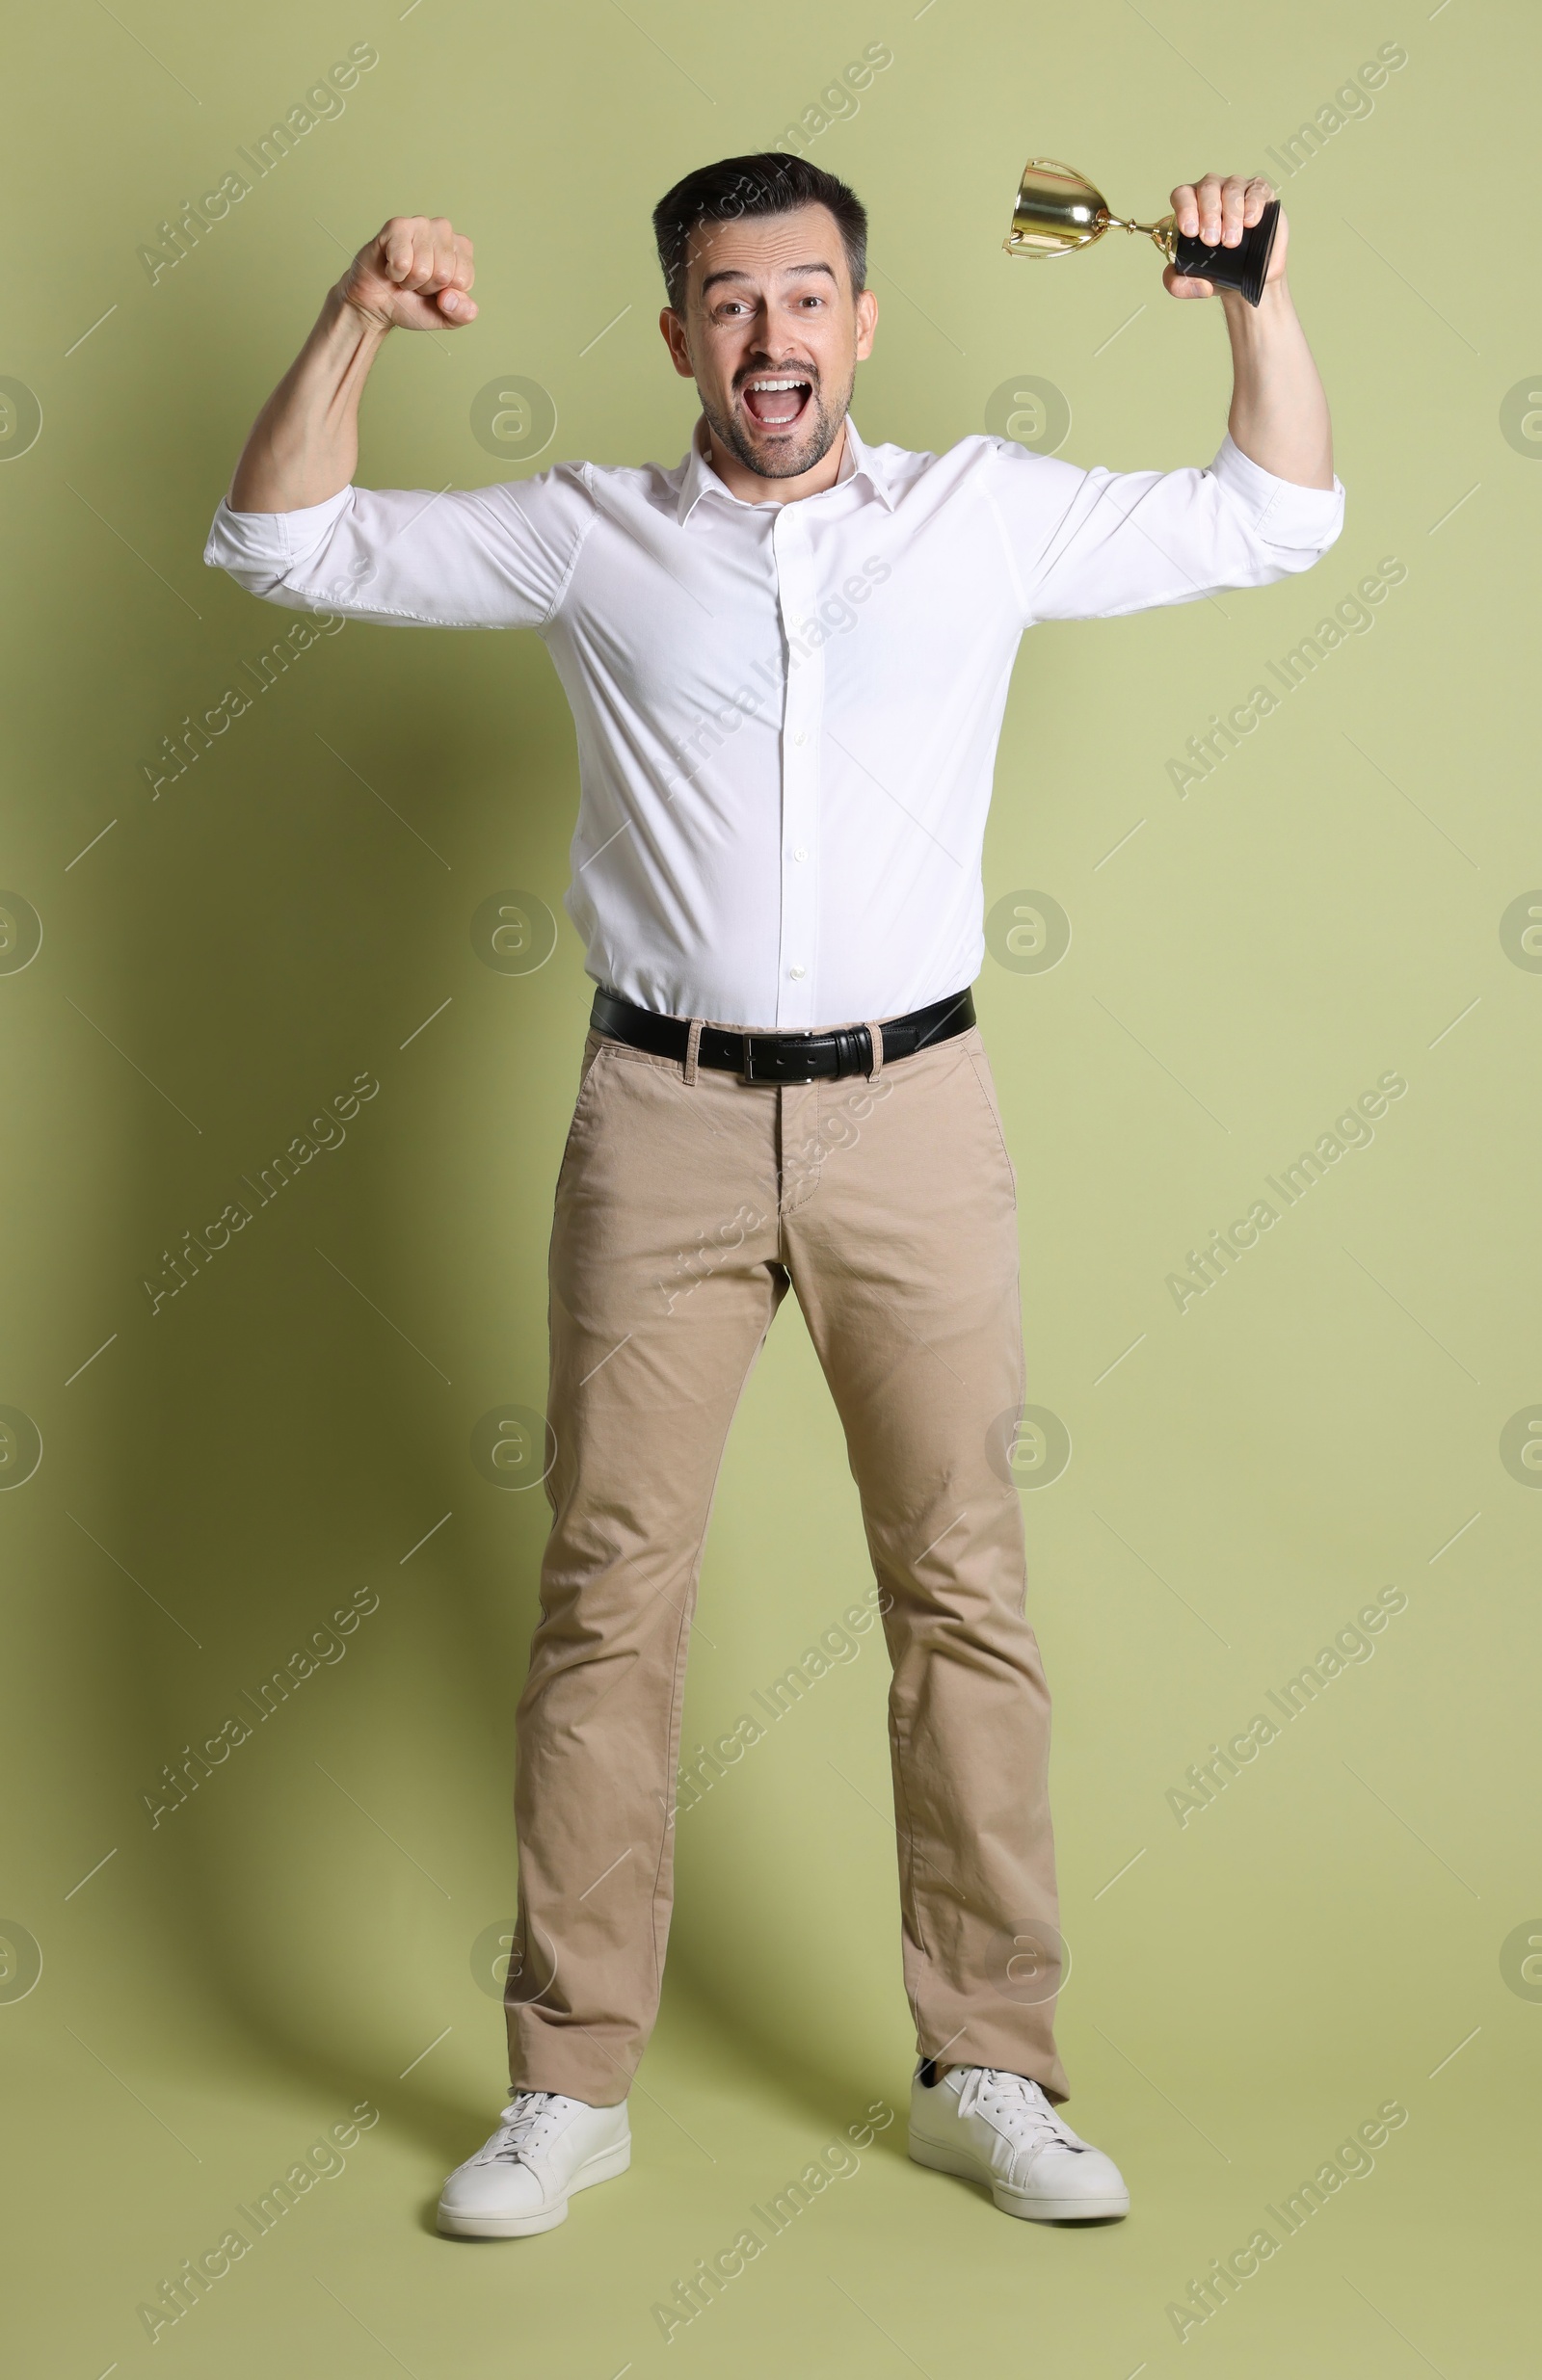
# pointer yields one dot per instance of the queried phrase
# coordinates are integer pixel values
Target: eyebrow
(790, 272)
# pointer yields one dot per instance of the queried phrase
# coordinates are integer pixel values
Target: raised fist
(414, 276)
(1218, 210)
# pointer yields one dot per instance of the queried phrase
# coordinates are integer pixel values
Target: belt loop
(875, 1034)
(693, 1042)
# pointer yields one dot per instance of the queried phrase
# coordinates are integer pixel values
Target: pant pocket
(589, 1078)
(980, 1068)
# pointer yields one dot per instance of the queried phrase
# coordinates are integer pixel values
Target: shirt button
(800, 737)
(800, 853)
(796, 973)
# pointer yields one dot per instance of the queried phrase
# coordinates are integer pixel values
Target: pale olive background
(1324, 1423)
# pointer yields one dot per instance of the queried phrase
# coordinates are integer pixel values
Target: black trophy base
(1242, 268)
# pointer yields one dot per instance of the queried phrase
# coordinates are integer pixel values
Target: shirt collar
(698, 478)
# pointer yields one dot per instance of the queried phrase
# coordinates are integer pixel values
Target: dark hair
(766, 184)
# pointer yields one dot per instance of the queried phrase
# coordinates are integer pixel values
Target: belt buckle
(775, 1063)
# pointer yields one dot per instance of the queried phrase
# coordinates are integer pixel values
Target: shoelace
(529, 2121)
(1017, 2109)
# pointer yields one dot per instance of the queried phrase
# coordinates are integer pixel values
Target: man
(787, 660)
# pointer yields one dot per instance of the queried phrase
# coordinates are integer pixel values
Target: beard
(789, 456)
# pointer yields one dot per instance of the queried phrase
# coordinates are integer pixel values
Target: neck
(749, 486)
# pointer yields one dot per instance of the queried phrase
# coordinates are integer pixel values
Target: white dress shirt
(786, 714)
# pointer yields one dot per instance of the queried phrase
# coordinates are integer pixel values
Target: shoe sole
(600, 2167)
(1016, 2201)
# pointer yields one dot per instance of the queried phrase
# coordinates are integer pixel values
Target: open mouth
(777, 401)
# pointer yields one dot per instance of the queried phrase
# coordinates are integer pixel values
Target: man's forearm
(1279, 413)
(304, 445)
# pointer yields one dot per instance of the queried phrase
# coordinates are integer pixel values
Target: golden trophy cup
(1058, 210)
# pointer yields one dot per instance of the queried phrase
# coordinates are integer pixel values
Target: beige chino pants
(686, 1203)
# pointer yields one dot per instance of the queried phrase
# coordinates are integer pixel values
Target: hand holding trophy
(1222, 236)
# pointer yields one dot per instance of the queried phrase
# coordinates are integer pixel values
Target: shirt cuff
(1282, 513)
(237, 537)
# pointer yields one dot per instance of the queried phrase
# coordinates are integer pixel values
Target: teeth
(776, 385)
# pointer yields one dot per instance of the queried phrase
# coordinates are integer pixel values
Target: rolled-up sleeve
(1092, 544)
(494, 557)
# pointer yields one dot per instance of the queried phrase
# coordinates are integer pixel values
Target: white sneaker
(1000, 2128)
(546, 2147)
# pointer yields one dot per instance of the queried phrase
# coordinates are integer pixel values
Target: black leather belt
(783, 1057)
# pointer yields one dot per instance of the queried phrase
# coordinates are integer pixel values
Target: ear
(866, 325)
(674, 331)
